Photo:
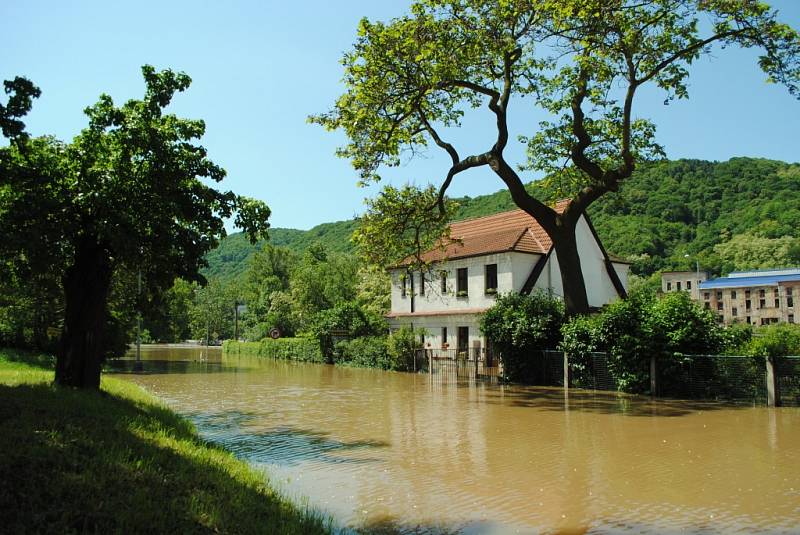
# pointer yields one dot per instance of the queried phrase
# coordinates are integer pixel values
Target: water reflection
(387, 452)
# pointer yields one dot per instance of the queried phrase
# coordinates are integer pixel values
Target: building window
(719, 295)
(790, 302)
(444, 337)
(461, 282)
(669, 286)
(762, 293)
(688, 285)
(748, 320)
(762, 303)
(734, 311)
(719, 305)
(491, 278)
(747, 304)
(733, 294)
(678, 286)
(708, 305)
(775, 292)
(747, 294)
(421, 283)
(402, 285)
(462, 344)
(443, 277)
(777, 303)
(706, 295)
(788, 290)
(791, 318)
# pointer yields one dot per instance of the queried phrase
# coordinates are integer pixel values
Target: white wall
(432, 325)
(512, 272)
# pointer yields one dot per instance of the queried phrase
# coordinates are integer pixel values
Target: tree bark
(565, 244)
(86, 288)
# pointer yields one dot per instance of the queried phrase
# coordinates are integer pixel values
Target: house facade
(759, 297)
(492, 255)
(683, 281)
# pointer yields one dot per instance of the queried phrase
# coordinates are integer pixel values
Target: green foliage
(346, 318)
(519, 326)
(301, 349)
(775, 341)
(636, 329)
(363, 352)
(120, 461)
(401, 346)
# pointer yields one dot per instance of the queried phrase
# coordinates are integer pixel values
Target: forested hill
(739, 214)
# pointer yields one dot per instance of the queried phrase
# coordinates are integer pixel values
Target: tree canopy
(128, 193)
(582, 61)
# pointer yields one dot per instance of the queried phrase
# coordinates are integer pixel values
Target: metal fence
(458, 364)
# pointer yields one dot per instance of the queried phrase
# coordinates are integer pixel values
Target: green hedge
(299, 349)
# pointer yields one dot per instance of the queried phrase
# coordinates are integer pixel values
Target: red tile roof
(509, 231)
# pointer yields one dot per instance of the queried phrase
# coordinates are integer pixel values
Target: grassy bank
(119, 461)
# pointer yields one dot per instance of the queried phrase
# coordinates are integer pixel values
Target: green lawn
(120, 461)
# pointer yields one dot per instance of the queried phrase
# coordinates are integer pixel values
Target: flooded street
(406, 452)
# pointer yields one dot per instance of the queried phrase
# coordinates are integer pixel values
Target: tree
(583, 61)
(126, 193)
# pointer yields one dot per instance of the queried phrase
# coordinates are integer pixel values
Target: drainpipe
(411, 276)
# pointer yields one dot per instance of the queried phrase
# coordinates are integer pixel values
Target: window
(688, 285)
(719, 295)
(733, 294)
(491, 278)
(444, 337)
(761, 293)
(421, 283)
(462, 344)
(669, 286)
(708, 305)
(790, 302)
(747, 294)
(734, 311)
(706, 295)
(402, 285)
(791, 318)
(748, 319)
(777, 303)
(678, 286)
(461, 282)
(748, 304)
(443, 277)
(719, 305)
(762, 303)
(788, 290)
(775, 292)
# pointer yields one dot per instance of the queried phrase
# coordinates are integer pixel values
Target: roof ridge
(519, 237)
(518, 209)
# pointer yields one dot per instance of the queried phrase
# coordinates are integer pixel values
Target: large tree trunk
(565, 244)
(86, 287)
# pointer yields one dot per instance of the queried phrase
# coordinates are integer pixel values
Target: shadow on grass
(77, 461)
(601, 402)
(282, 446)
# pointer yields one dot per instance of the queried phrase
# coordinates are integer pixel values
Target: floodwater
(384, 451)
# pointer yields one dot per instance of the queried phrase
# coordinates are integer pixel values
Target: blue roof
(737, 282)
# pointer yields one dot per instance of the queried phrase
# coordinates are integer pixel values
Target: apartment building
(683, 281)
(758, 297)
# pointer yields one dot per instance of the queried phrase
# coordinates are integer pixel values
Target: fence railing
(717, 377)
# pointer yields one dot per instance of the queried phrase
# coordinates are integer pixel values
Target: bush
(346, 317)
(402, 345)
(365, 352)
(775, 341)
(299, 349)
(521, 325)
(580, 337)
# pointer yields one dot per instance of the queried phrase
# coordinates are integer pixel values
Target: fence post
(773, 393)
(566, 370)
(653, 371)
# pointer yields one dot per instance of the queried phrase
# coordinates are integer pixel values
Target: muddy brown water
(383, 451)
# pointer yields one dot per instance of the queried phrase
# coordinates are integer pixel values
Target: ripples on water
(403, 452)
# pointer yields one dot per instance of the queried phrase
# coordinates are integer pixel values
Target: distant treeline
(739, 214)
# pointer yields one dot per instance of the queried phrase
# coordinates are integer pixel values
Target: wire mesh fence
(719, 377)
(787, 372)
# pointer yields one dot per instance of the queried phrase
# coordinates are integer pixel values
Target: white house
(501, 253)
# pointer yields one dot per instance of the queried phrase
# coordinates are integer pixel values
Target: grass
(119, 461)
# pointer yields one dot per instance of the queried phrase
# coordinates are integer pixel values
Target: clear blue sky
(260, 68)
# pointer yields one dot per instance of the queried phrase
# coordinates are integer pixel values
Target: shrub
(521, 325)
(366, 352)
(580, 336)
(347, 317)
(402, 345)
(299, 349)
(775, 341)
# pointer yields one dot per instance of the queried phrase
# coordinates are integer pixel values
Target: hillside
(663, 212)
